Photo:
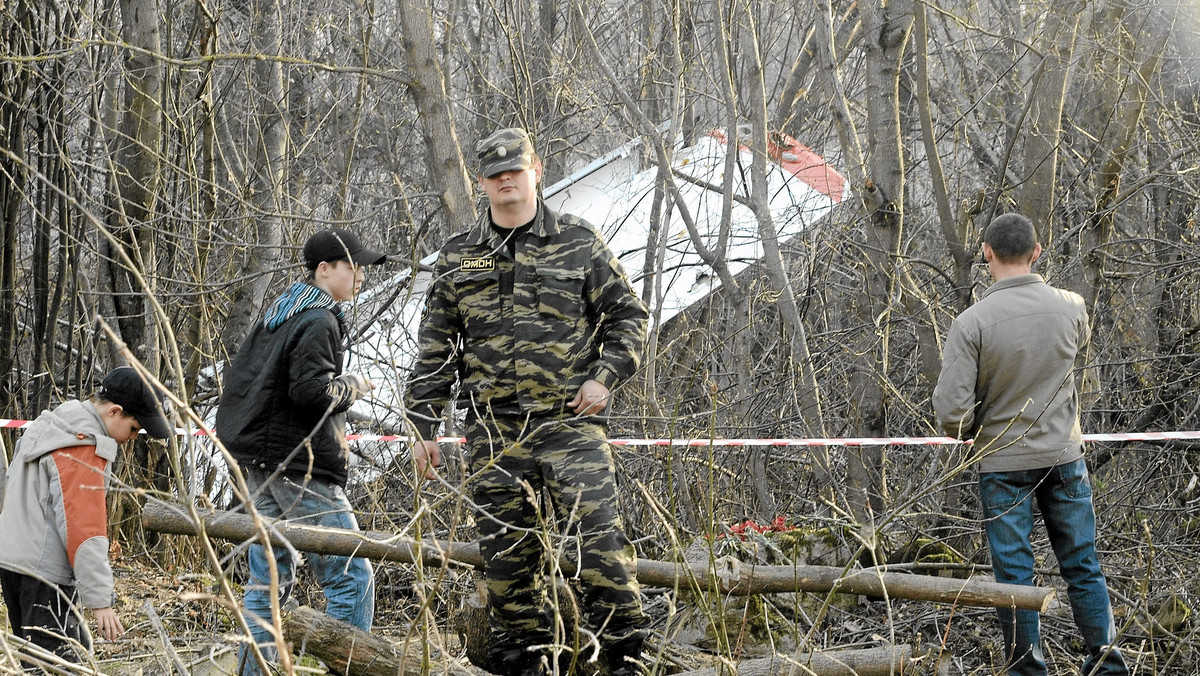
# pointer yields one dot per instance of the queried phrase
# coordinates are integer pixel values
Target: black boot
(624, 657)
(510, 661)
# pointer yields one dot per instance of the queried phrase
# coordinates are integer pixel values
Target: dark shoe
(518, 662)
(624, 658)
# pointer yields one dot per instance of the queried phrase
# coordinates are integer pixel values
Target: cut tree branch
(725, 575)
(354, 652)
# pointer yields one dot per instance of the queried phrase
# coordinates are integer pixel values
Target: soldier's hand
(591, 398)
(427, 455)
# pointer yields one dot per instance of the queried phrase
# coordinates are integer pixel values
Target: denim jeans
(348, 583)
(1064, 496)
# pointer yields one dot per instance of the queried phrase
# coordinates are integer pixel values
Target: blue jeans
(348, 583)
(1064, 496)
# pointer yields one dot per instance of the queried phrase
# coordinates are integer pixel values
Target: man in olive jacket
(533, 318)
(1008, 382)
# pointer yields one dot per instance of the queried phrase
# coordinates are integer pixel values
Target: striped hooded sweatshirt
(54, 524)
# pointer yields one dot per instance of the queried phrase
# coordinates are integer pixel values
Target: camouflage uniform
(519, 357)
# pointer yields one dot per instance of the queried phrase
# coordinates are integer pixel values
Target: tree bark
(135, 178)
(427, 85)
(880, 661)
(15, 80)
(726, 576)
(352, 651)
(809, 398)
(1099, 228)
(1041, 139)
(883, 195)
(264, 178)
(953, 230)
(536, 85)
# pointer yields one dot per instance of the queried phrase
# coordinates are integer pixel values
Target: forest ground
(203, 636)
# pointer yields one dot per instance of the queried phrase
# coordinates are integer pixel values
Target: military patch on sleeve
(477, 263)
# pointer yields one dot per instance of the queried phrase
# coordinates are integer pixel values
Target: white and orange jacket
(54, 524)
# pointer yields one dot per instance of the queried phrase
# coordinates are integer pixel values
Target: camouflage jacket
(572, 315)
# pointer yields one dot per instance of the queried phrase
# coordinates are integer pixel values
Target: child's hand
(361, 384)
(108, 623)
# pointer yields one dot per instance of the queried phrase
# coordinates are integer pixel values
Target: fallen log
(354, 652)
(735, 578)
(878, 661)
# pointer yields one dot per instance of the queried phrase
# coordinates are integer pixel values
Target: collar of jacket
(63, 427)
(1019, 280)
(298, 297)
(545, 224)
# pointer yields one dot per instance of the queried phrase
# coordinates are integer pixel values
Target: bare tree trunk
(879, 661)
(855, 165)
(352, 651)
(134, 228)
(1040, 140)
(55, 256)
(1098, 230)
(809, 409)
(794, 92)
(539, 50)
(443, 154)
(739, 379)
(197, 333)
(953, 230)
(809, 397)
(793, 89)
(883, 196)
(135, 178)
(351, 123)
(15, 78)
(669, 96)
(264, 176)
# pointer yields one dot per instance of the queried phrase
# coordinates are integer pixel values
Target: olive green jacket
(1008, 376)
(572, 315)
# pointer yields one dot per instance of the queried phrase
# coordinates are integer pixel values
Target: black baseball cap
(149, 405)
(339, 244)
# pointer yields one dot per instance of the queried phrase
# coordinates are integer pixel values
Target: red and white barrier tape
(834, 441)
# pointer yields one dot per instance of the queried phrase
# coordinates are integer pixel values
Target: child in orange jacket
(54, 522)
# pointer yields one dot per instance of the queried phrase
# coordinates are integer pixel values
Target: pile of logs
(350, 650)
(355, 652)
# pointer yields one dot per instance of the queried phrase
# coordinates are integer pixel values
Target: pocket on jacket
(560, 293)
(478, 297)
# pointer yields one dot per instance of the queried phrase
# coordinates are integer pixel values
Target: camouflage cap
(505, 150)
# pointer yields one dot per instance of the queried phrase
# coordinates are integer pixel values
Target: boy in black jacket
(283, 418)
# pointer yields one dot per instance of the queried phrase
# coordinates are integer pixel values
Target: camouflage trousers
(512, 460)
